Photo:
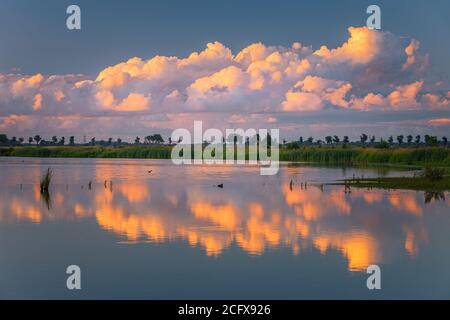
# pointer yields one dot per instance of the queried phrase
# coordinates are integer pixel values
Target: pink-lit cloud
(440, 122)
(371, 71)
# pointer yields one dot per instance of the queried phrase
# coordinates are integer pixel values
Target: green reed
(423, 156)
(46, 180)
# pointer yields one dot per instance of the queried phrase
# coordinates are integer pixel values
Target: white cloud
(372, 70)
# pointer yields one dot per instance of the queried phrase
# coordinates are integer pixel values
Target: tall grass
(46, 179)
(438, 156)
(433, 174)
(153, 152)
(425, 156)
(6, 152)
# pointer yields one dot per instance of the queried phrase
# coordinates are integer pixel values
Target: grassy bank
(408, 183)
(430, 179)
(421, 156)
(137, 152)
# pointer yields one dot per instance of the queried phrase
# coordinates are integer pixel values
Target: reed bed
(422, 156)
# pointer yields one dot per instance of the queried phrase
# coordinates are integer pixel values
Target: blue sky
(34, 37)
(35, 41)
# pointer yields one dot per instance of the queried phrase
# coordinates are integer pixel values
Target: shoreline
(325, 155)
(399, 183)
(416, 182)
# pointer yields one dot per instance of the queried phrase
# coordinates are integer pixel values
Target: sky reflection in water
(257, 214)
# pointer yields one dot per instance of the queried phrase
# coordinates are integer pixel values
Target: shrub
(382, 145)
(433, 174)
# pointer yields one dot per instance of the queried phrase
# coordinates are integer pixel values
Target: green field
(135, 152)
(420, 156)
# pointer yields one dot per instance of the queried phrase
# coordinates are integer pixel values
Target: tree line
(37, 140)
(157, 139)
(364, 139)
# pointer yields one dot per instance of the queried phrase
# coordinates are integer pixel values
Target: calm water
(172, 234)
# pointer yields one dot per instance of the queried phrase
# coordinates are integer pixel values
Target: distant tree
(400, 139)
(30, 140)
(328, 139)
(363, 138)
(409, 138)
(346, 139)
(391, 140)
(21, 140)
(284, 141)
(336, 139)
(137, 140)
(3, 139)
(54, 139)
(93, 141)
(445, 140)
(382, 144)
(45, 143)
(310, 140)
(300, 140)
(430, 140)
(159, 139)
(170, 140)
(372, 139)
(433, 140)
(417, 141)
(110, 140)
(71, 140)
(37, 138)
(119, 141)
(62, 141)
(14, 141)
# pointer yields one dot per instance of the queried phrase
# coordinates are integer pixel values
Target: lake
(173, 234)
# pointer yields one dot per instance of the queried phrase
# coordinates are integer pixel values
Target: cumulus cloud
(37, 102)
(134, 102)
(371, 70)
(312, 93)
